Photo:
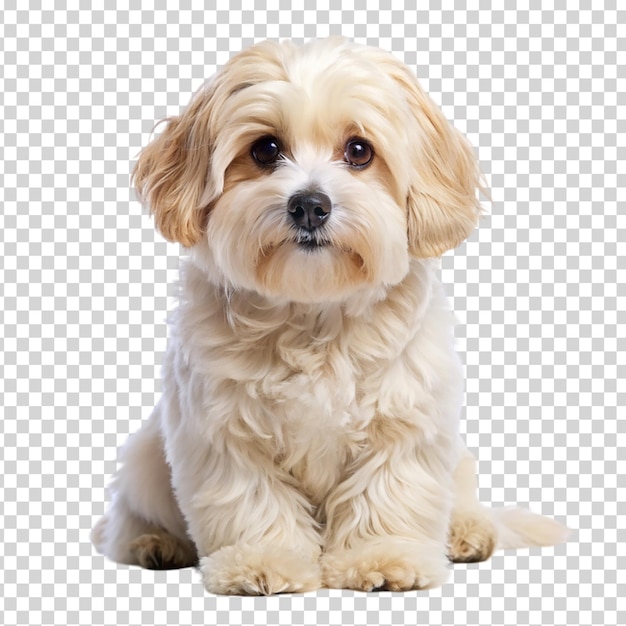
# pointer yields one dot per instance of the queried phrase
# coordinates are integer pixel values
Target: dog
(307, 435)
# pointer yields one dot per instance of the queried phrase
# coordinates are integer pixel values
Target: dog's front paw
(244, 569)
(386, 565)
(472, 537)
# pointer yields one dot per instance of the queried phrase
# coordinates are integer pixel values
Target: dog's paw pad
(472, 538)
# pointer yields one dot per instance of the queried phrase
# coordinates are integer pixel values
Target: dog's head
(308, 173)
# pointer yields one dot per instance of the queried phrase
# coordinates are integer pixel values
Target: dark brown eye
(358, 153)
(266, 150)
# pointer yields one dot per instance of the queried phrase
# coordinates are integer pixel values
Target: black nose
(309, 210)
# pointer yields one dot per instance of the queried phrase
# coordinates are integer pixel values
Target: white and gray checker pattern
(539, 87)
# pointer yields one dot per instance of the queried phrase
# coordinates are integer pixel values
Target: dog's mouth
(311, 241)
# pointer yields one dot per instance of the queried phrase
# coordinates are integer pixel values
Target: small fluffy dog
(308, 431)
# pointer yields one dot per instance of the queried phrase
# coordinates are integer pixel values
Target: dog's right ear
(171, 173)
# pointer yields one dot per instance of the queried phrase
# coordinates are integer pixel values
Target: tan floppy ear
(442, 202)
(171, 174)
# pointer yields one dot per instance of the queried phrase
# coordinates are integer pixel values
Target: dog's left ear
(442, 202)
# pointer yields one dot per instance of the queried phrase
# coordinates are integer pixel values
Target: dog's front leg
(253, 530)
(387, 522)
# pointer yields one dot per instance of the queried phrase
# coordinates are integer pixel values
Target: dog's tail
(519, 528)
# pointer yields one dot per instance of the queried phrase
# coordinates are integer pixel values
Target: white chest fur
(305, 381)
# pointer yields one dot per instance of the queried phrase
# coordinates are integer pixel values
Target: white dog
(308, 431)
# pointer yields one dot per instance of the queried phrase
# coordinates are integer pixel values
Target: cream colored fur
(308, 429)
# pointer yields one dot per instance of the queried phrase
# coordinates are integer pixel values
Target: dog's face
(309, 173)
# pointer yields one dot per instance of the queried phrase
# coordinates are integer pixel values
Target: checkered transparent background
(539, 289)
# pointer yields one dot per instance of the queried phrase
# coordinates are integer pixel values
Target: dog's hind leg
(144, 525)
(473, 536)
(476, 531)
